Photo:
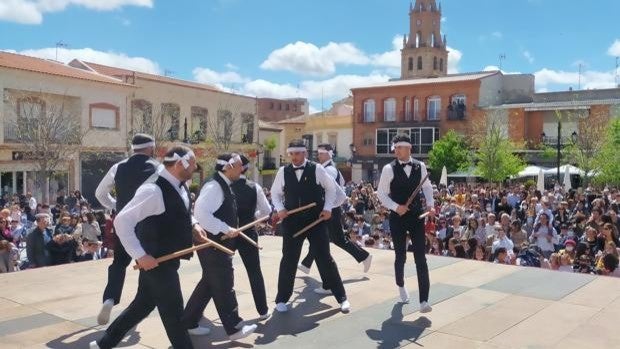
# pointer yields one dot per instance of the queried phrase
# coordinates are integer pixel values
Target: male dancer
(298, 184)
(334, 226)
(124, 177)
(398, 181)
(216, 211)
(251, 204)
(156, 222)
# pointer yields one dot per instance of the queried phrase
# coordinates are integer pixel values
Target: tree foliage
(607, 161)
(495, 155)
(450, 151)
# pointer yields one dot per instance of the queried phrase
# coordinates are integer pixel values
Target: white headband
(400, 144)
(184, 159)
(150, 144)
(323, 151)
(295, 149)
(230, 162)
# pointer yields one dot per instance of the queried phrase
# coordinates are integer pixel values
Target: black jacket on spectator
(61, 253)
(36, 248)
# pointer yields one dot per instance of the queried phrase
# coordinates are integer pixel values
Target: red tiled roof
(44, 66)
(125, 74)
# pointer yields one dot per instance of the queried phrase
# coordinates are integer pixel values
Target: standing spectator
(544, 235)
(36, 250)
(32, 202)
(517, 234)
(90, 228)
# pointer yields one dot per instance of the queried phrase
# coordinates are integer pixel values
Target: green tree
(607, 161)
(495, 155)
(450, 151)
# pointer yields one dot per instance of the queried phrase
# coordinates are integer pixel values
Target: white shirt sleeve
(147, 202)
(383, 189)
(277, 190)
(262, 204)
(330, 186)
(210, 199)
(332, 171)
(105, 187)
(427, 188)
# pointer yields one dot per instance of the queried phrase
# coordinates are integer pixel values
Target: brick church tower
(424, 53)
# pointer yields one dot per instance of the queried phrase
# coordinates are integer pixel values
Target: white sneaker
(367, 263)
(345, 307)
(93, 345)
(303, 268)
(104, 313)
(281, 307)
(265, 316)
(404, 294)
(425, 307)
(243, 332)
(199, 331)
(321, 290)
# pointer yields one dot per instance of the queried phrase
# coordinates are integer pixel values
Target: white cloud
(390, 59)
(308, 59)
(614, 49)
(528, 55)
(329, 89)
(454, 58)
(32, 11)
(497, 34)
(231, 66)
(495, 68)
(590, 79)
(111, 58)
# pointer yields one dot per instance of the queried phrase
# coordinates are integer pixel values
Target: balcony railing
(458, 114)
(553, 141)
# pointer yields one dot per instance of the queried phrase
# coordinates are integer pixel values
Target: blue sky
(316, 49)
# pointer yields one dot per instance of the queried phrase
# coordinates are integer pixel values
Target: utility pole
(579, 85)
(60, 44)
(502, 58)
(616, 73)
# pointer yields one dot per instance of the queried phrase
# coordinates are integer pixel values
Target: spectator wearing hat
(124, 178)
(36, 242)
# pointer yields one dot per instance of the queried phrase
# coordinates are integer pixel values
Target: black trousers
(338, 237)
(159, 288)
(217, 282)
(116, 273)
(291, 252)
(399, 227)
(251, 261)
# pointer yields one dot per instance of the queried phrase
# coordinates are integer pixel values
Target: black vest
(245, 195)
(227, 212)
(130, 174)
(401, 186)
(170, 231)
(302, 192)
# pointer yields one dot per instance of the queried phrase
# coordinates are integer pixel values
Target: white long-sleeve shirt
(209, 200)
(105, 187)
(322, 178)
(148, 201)
(332, 171)
(387, 174)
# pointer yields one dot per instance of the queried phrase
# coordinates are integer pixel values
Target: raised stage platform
(475, 305)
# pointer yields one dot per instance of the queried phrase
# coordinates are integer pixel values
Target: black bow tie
(181, 185)
(299, 168)
(403, 164)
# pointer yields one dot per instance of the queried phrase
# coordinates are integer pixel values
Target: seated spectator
(610, 266)
(62, 249)
(480, 253)
(501, 256)
(517, 234)
(6, 263)
(36, 243)
(64, 226)
(502, 240)
(90, 228)
(544, 235)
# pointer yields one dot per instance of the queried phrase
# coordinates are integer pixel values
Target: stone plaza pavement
(475, 305)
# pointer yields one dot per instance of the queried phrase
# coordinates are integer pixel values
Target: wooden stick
(248, 239)
(248, 226)
(181, 253)
(417, 190)
(308, 227)
(299, 209)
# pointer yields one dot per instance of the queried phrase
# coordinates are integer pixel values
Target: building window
(271, 105)
(171, 113)
(420, 63)
(422, 139)
(416, 109)
(368, 139)
(410, 63)
(435, 65)
(287, 107)
(319, 138)
(418, 39)
(247, 128)
(279, 106)
(456, 109)
(332, 138)
(30, 107)
(224, 125)
(433, 108)
(199, 123)
(294, 107)
(441, 64)
(104, 115)
(369, 110)
(389, 110)
(142, 113)
(407, 109)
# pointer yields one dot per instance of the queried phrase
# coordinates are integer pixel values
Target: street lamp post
(559, 147)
